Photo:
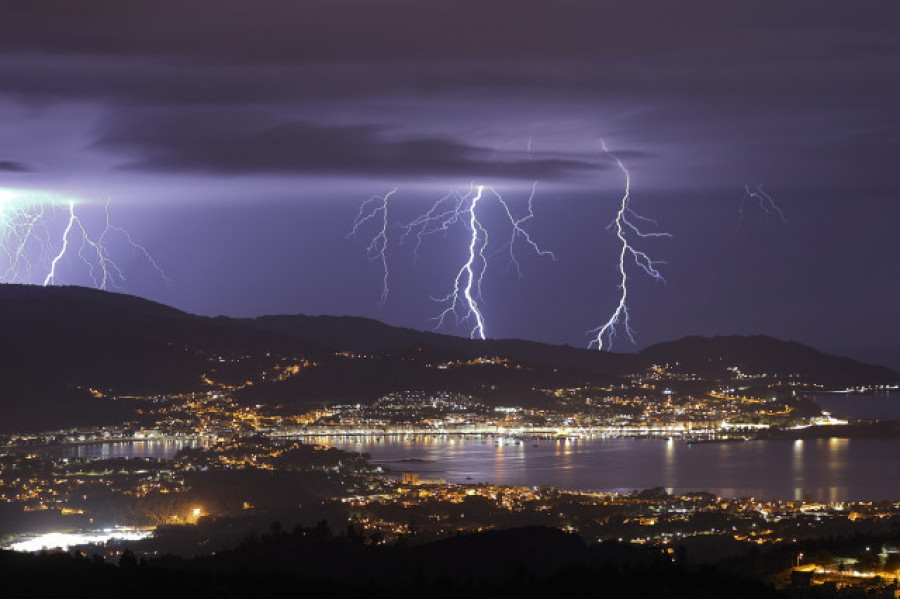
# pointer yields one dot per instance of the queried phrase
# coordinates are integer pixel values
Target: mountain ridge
(60, 342)
(323, 328)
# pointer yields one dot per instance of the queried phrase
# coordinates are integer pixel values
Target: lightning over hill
(45, 240)
(457, 209)
(625, 228)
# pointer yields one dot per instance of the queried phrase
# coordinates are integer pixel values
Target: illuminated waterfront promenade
(482, 430)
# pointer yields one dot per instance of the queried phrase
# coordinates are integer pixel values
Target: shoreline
(855, 429)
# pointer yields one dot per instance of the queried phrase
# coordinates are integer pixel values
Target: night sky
(236, 141)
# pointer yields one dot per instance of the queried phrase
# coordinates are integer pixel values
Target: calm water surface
(826, 469)
(124, 449)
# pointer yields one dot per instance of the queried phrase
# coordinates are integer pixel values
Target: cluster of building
(87, 490)
(105, 489)
(434, 508)
(639, 407)
(661, 402)
(45, 473)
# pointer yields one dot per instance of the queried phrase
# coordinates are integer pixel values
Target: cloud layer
(719, 92)
(11, 166)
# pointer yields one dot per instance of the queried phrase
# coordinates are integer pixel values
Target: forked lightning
(624, 228)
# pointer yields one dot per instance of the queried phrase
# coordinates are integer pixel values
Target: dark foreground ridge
(528, 562)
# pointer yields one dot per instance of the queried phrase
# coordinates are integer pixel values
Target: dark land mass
(709, 357)
(365, 335)
(341, 381)
(528, 562)
(61, 342)
(867, 429)
(531, 561)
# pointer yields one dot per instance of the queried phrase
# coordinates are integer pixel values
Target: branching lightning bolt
(763, 200)
(26, 240)
(456, 208)
(445, 213)
(18, 230)
(517, 230)
(623, 228)
(51, 276)
(466, 276)
(377, 248)
(137, 247)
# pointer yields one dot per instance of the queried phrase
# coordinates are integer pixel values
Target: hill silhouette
(758, 354)
(365, 335)
(705, 356)
(526, 562)
(60, 342)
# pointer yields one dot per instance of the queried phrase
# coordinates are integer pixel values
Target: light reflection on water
(125, 449)
(823, 469)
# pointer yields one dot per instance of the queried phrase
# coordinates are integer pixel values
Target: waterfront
(825, 469)
(833, 469)
(882, 406)
(164, 450)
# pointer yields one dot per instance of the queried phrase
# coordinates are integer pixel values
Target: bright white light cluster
(67, 540)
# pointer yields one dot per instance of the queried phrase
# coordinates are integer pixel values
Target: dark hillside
(758, 354)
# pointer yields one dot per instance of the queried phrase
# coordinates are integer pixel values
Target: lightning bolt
(51, 276)
(26, 240)
(135, 246)
(763, 201)
(623, 228)
(441, 217)
(517, 230)
(18, 230)
(455, 209)
(466, 275)
(377, 248)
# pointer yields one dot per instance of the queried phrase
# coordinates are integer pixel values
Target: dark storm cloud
(767, 85)
(286, 31)
(236, 51)
(215, 144)
(864, 160)
(697, 97)
(879, 147)
(10, 166)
